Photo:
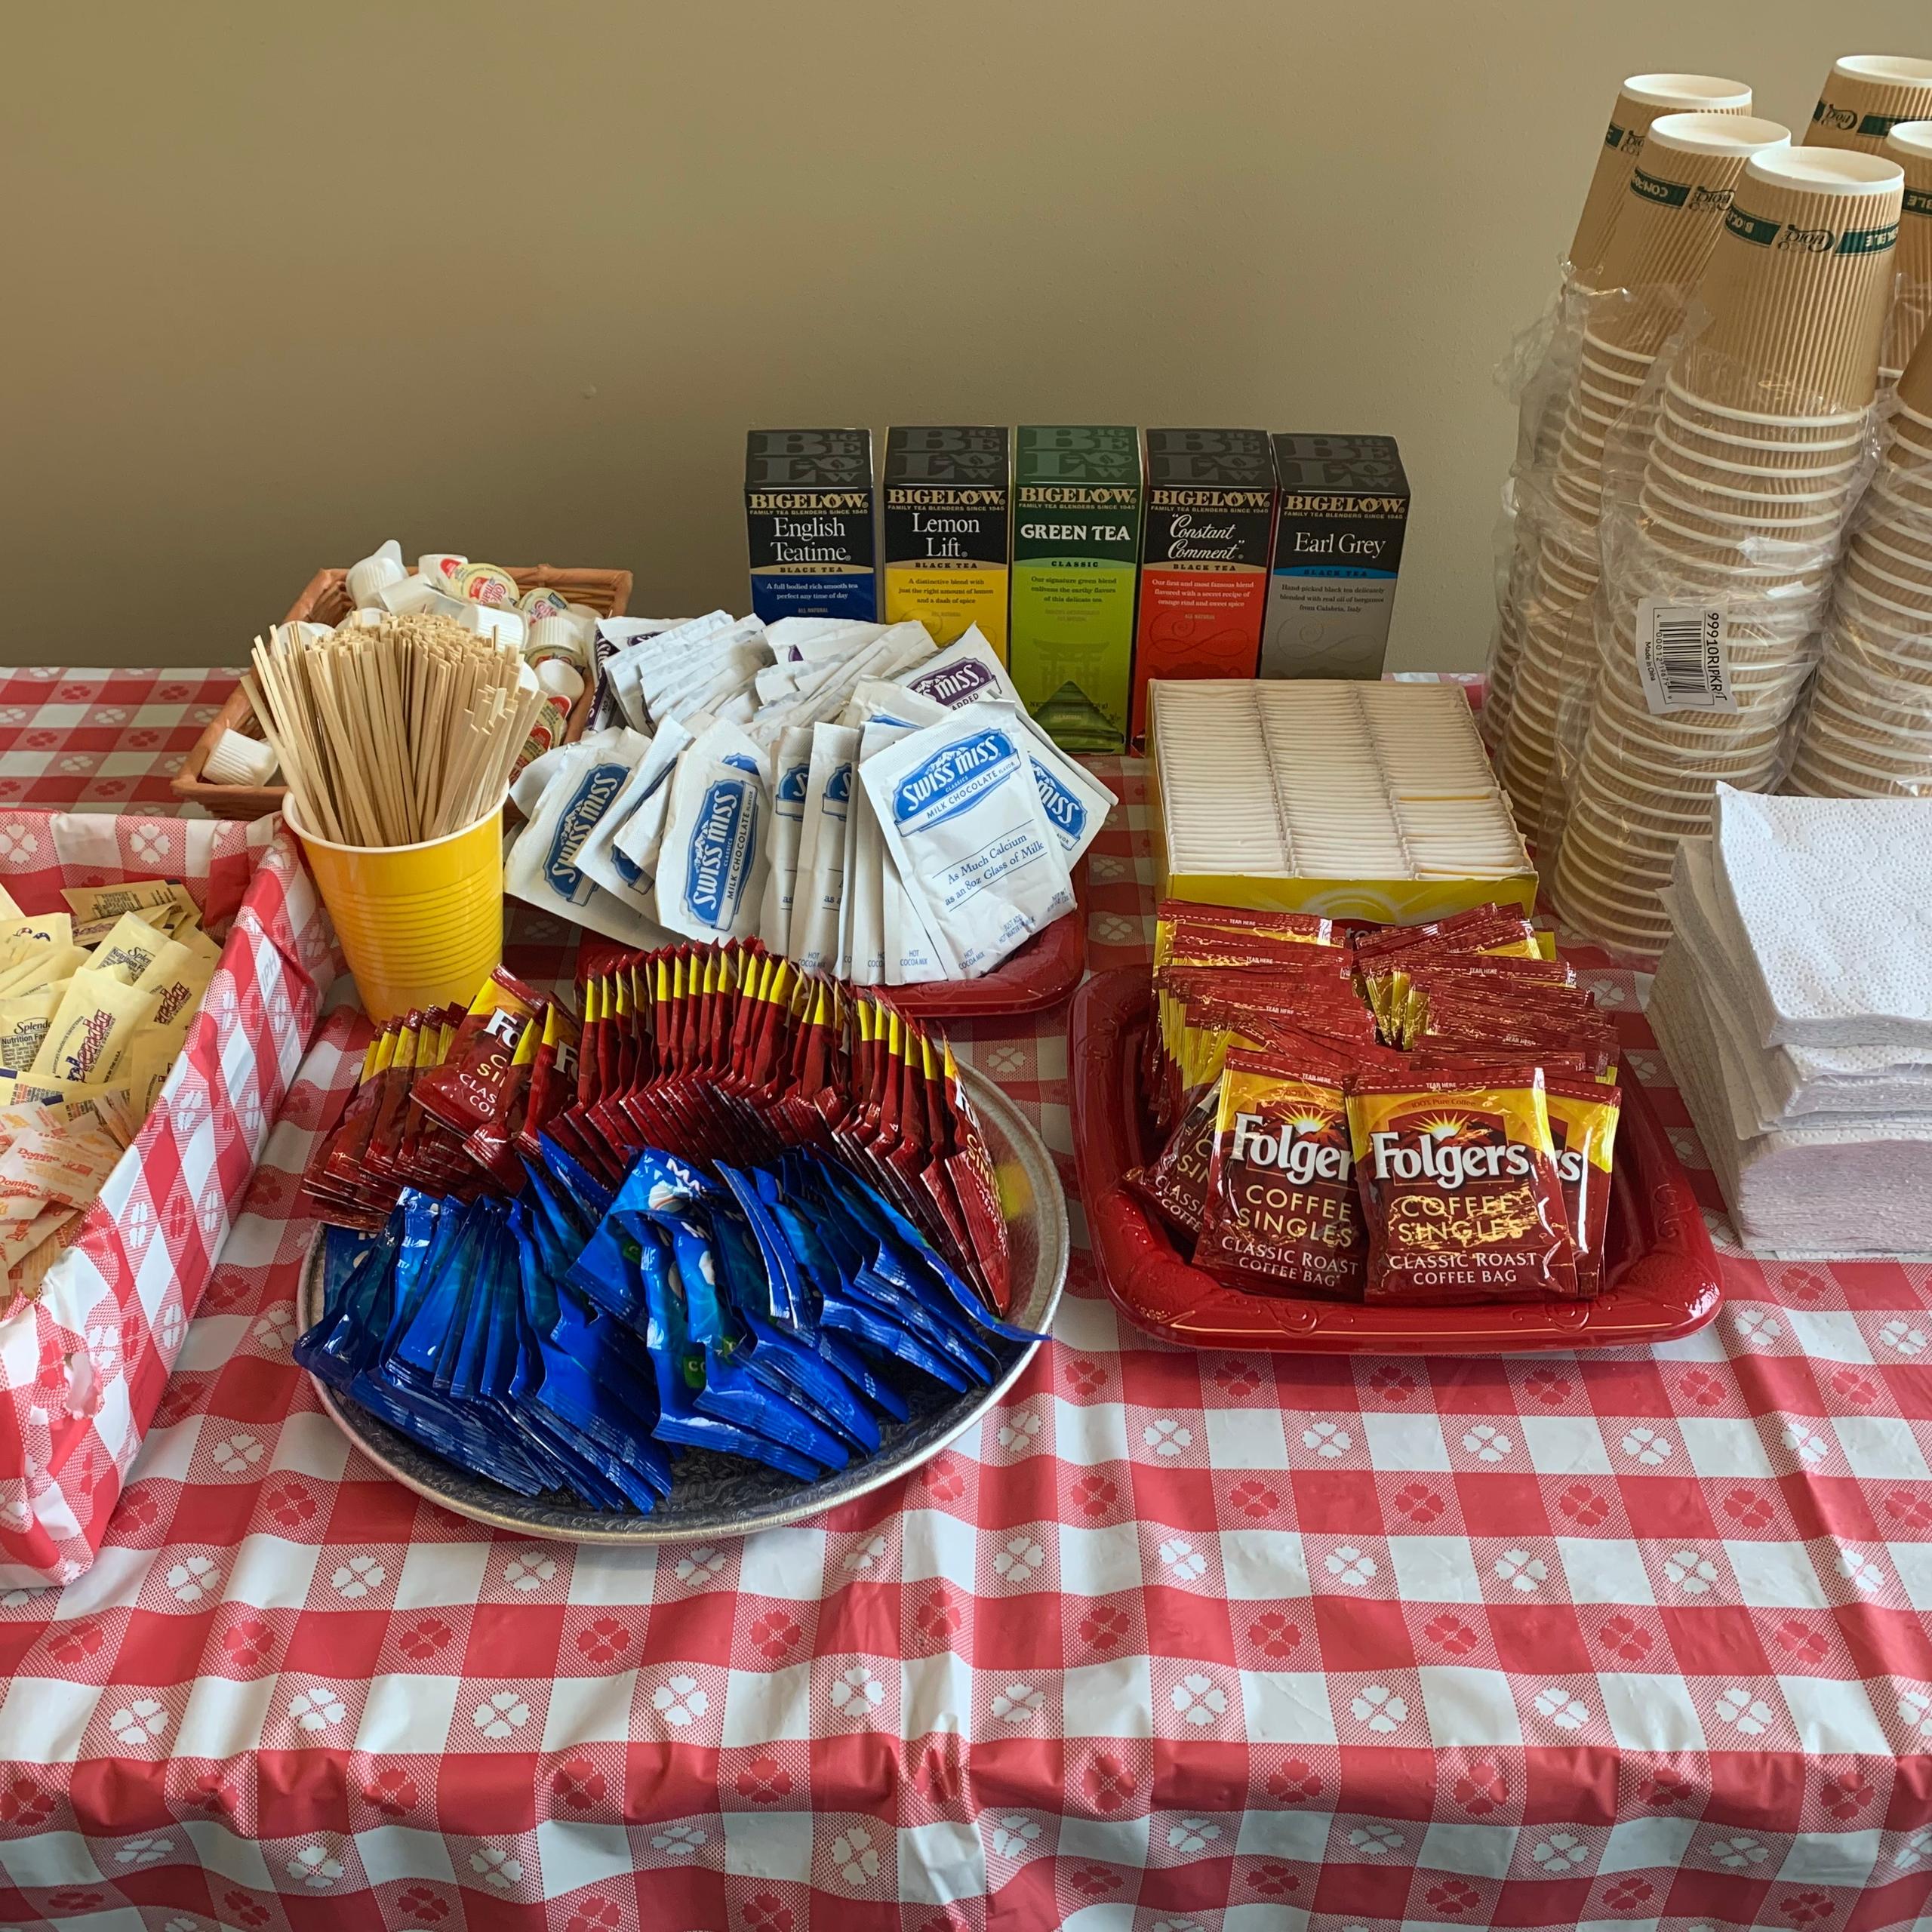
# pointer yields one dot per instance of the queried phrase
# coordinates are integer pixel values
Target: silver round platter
(714, 1495)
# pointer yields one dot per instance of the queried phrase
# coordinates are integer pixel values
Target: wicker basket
(326, 601)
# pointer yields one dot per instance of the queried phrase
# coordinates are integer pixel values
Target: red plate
(1659, 1261)
(1040, 975)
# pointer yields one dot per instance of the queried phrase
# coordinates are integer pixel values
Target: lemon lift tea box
(1076, 549)
(949, 530)
(1344, 506)
(808, 511)
(1204, 559)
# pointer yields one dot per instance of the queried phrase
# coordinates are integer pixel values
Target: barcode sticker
(1681, 656)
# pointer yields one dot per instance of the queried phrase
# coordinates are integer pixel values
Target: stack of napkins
(1794, 1004)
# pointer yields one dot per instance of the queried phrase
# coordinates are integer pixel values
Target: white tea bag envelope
(711, 871)
(630, 640)
(791, 775)
(961, 816)
(834, 636)
(582, 783)
(1077, 804)
(818, 896)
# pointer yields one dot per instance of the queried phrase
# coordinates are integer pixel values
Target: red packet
(1280, 1215)
(1460, 1188)
(463, 1092)
(1582, 1121)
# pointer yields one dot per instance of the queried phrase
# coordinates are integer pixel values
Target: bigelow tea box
(1343, 507)
(808, 510)
(949, 530)
(1076, 547)
(1204, 557)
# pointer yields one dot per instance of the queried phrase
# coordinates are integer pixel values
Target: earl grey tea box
(948, 517)
(1340, 518)
(809, 514)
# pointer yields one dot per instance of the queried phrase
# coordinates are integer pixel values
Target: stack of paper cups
(1864, 97)
(1641, 99)
(1681, 189)
(1867, 732)
(1910, 145)
(1751, 468)
(1675, 200)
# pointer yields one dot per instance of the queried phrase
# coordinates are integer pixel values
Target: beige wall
(284, 280)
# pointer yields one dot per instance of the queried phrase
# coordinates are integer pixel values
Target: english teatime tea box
(949, 530)
(1344, 508)
(808, 511)
(1204, 557)
(1076, 548)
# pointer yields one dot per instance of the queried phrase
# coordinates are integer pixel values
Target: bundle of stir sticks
(393, 733)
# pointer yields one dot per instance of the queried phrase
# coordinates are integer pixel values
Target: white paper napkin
(1833, 899)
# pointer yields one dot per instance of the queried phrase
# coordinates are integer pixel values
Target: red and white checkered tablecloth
(1175, 1643)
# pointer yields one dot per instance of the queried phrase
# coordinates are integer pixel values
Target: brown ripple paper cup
(1915, 385)
(1641, 99)
(1864, 97)
(1800, 284)
(1681, 189)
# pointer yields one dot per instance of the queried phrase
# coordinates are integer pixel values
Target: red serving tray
(1662, 1270)
(1036, 977)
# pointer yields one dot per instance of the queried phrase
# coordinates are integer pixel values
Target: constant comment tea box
(809, 514)
(1344, 508)
(1076, 549)
(948, 529)
(1203, 558)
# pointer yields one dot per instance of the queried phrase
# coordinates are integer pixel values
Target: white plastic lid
(1719, 134)
(1827, 170)
(1883, 67)
(1682, 92)
(1912, 138)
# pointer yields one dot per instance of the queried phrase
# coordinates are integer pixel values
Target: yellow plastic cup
(422, 925)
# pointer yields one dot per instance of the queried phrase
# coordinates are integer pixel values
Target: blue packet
(839, 1311)
(679, 1369)
(812, 1267)
(606, 1274)
(915, 1255)
(728, 1389)
(781, 1298)
(592, 1197)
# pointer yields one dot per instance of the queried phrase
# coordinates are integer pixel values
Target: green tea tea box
(1079, 499)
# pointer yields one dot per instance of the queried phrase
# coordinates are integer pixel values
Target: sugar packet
(961, 816)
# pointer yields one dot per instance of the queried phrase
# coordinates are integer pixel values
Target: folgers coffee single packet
(467, 1090)
(1280, 1215)
(1582, 1121)
(1174, 1183)
(1460, 1188)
